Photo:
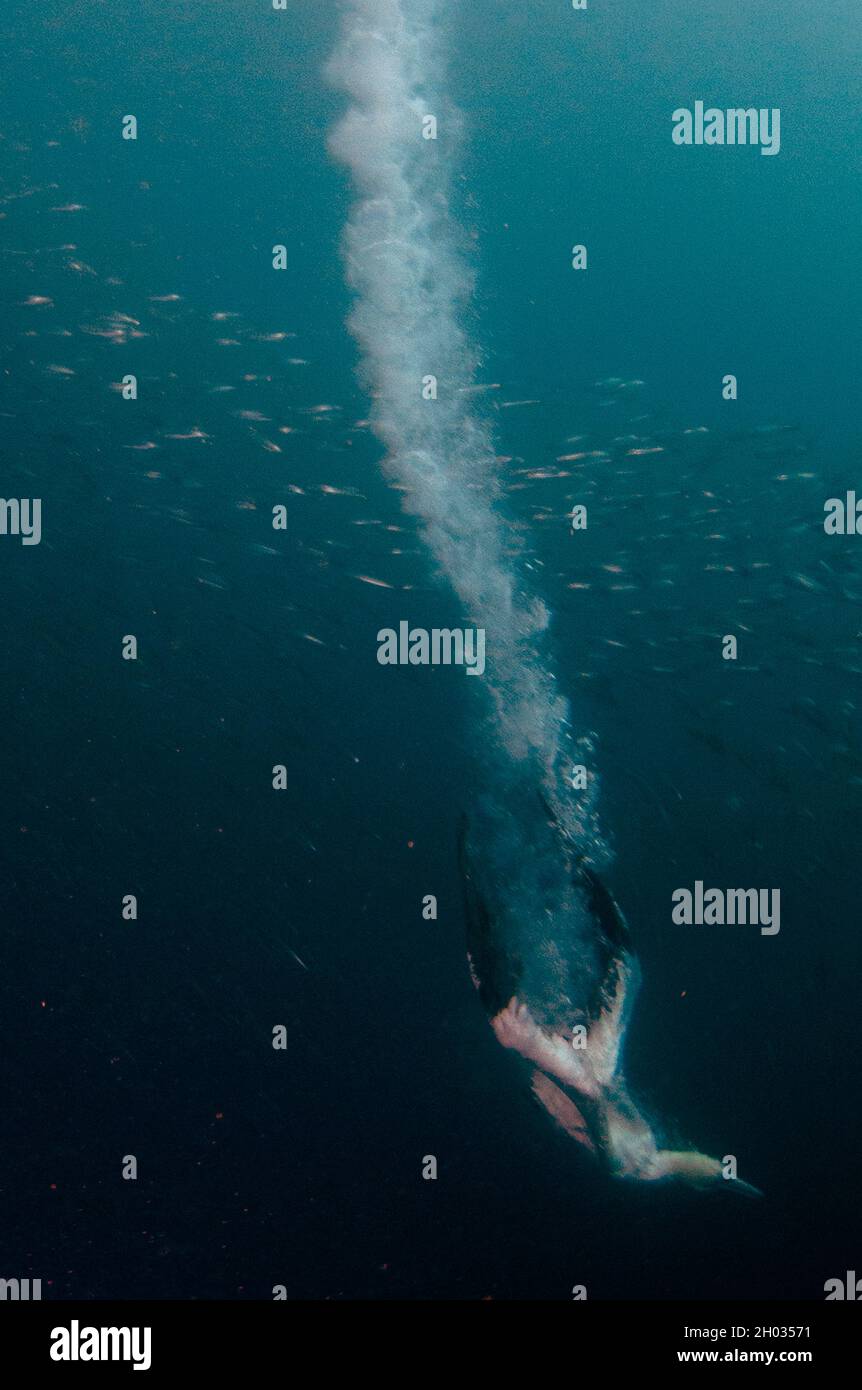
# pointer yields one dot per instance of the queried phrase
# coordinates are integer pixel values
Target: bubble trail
(549, 950)
(413, 287)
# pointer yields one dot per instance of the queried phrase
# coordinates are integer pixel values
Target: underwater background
(302, 1167)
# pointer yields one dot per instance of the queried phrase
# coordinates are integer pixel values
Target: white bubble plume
(412, 291)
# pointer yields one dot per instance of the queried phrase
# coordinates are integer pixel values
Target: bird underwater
(560, 993)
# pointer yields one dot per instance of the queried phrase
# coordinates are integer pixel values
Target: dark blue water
(152, 1038)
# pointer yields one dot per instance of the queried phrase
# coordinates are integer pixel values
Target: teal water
(258, 647)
